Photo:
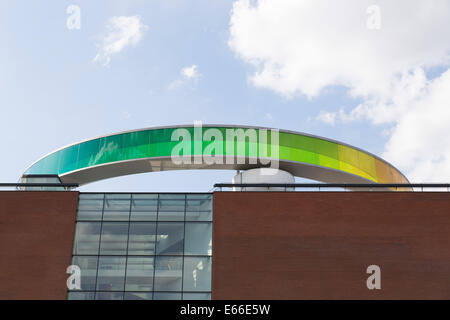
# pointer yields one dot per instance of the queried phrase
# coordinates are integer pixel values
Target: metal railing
(421, 187)
(35, 186)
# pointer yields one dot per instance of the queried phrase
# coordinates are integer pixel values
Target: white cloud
(123, 31)
(126, 115)
(327, 117)
(304, 46)
(420, 140)
(188, 73)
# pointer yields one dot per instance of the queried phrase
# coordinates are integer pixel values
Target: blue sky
(53, 93)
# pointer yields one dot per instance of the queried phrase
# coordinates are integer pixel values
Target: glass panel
(178, 196)
(168, 273)
(111, 274)
(77, 295)
(198, 207)
(198, 238)
(197, 274)
(170, 238)
(167, 296)
(139, 274)
(114, 238)
(201, 196)
(144, 207)
(143, 215)
(145, 196)
(88, 268)
(91, 196)
(90, 204)
(120, 196)
(87, 236)
(89, 215)
(109, 296)
(171, 209)
(117, 207)
(197, 296)
(116, 215)
(142, 238)
(138, 296)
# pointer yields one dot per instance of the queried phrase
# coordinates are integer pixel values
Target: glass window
(197, 274)
(171, 209)
(117, 207)
(87, 236)
(79, 295)
(168, 273)
(179, 196)
(197, 296)
(198, 239)
(142, 238)
(91, 204)
(88, 269)
(109, 296)
(198, 207)
(90, 207)
(139, 247)
(116, 215)
(139, 274)
(91, 196)
(138, 296)
(111, 274)
(114, 238)
(167, 296)
(170, 238)
(89, 215)
(117, 196)
(144, 207)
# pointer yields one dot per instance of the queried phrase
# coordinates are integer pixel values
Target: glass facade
(143, 246)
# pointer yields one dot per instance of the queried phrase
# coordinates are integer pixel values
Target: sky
(373, 74)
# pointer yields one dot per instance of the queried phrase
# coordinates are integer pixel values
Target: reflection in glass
(197, 296)
(117, 207)
(168, 273)
(90, 207)
(109, 296)
(143, 249)
(138, 296)
(89, 215)
(170, 238)
(114, 238)
(79, 295)
(197, 274)
(198, 238)
(167, 296)
(139, 274)
(142, 238)
(88, 269)
(91, 204)
(144, 207)
(111, 273)
(198, 208)
(87, 236)
(171, 209)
